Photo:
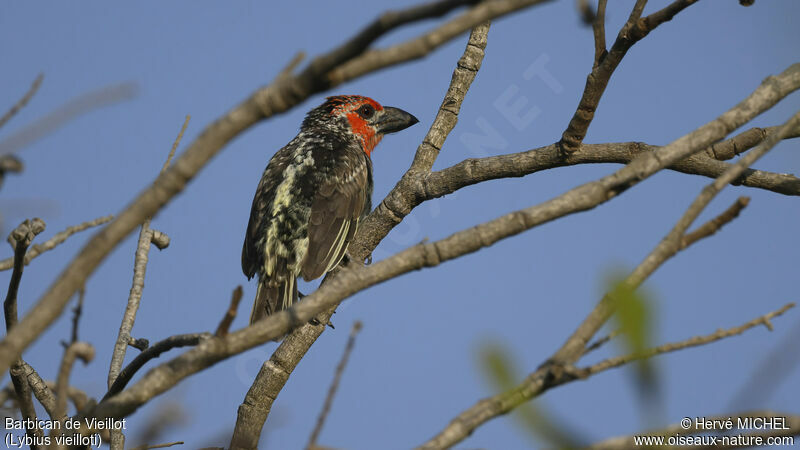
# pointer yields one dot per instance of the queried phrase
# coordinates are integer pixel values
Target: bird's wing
(262, 202)
(335, 212)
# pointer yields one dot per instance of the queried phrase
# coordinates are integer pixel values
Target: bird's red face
(368, 120)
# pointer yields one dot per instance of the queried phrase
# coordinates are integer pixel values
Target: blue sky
(415, 365)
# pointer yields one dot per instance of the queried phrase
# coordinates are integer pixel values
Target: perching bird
(312, 196)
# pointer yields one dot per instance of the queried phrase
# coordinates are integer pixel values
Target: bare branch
(20, 239)
(600, 342)
(634, 30)
(154, 351)
(85, 352)
(791, 422)
(76, 315)
(337, 378)
(715, 224)
(78, 106)
(427, 152)
(599, 30)
(264, 103)
(147, 236)
(38, 249)
(23, 101)
(230, 314)
(675, 346)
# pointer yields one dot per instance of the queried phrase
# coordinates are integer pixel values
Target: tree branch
(154, 351)
(599, 31)
(696, 341)
(79, 105)
(337, 378)
(38, 249)
(85, 352)
(634, 30)
(420, 46)
(23, 101)
(225, 324)
(715, 224)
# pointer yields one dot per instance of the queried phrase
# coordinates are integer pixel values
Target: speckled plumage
(312, 196)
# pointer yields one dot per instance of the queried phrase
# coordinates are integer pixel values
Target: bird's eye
(366, 111)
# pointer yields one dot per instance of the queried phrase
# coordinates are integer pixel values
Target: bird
(313, 194)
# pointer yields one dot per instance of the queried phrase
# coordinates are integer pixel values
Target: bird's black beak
(393, 120)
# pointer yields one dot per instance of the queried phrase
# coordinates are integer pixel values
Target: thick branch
(675, 346)
(712, 226)
(76, 350)
(20, 239)
(154, 351)
(337, 377)
(599, 31)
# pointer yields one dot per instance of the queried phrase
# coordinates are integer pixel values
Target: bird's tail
(271, 299)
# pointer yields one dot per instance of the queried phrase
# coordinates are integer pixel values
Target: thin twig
(634, 30)
(154, 351)
(337, 378)
(291, 65)
(78, 350)
(20, 239)
(140, 344)
(175, 144)
(53, 242)
(599, 31)
(146, 237)
(696, 341)
(147, 447)
(76, 315)
(23, 101)
(78, 106)
(230, 314)
(715, 224)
